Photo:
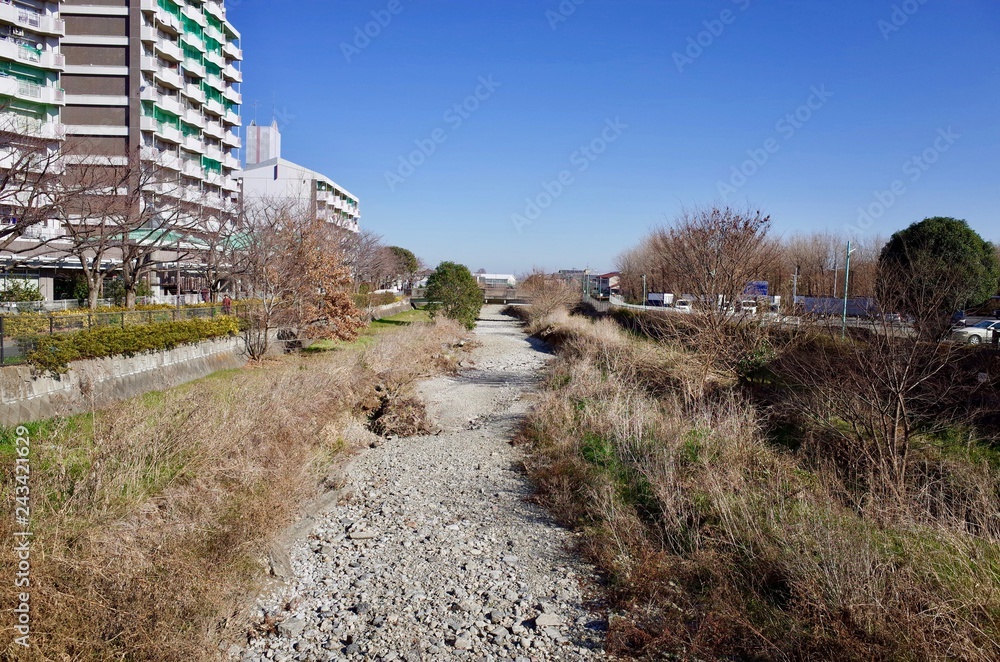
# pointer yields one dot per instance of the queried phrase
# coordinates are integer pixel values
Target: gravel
(437, 553)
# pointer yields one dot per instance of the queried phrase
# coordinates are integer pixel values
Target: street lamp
(847, 283)
(644, 295)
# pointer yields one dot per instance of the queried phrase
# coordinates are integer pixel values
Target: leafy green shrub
(453, 292)
(54, 353)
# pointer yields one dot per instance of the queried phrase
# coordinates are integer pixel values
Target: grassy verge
(152, 519)
(368, 335)
(719, 544)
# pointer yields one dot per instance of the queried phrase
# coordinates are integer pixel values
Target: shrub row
(54, 353)
(363, 301)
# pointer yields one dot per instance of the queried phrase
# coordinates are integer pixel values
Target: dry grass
(719, 545)
(153, 518)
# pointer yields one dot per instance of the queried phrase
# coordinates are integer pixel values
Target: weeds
(152, 519)
(719, 544)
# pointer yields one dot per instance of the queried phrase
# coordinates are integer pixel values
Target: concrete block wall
(95, 384)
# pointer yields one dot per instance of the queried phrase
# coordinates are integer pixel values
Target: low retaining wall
(382, 312)
(101, 382)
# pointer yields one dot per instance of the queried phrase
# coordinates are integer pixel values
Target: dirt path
(438, 555)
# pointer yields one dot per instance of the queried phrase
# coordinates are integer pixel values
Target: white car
(978, 333)
(683, 306)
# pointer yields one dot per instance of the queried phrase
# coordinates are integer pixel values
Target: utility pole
(836, 270)
(795, 288)
(178, 298)
(644, 290)
(847, 284)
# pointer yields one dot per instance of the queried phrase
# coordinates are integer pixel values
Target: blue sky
(823, 104)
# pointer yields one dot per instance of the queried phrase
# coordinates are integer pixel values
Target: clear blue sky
(884, 96)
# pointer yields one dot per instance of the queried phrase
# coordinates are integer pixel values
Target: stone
(291, 627)
(548, 620)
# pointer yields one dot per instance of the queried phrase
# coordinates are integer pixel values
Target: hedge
(54, 353)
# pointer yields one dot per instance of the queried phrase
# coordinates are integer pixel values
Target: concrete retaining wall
(382, 312)
(102, 382)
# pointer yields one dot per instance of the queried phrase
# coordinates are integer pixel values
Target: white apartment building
(106, 80)
(279, 179)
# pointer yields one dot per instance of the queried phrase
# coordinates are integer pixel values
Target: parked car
(958, 318)
(683, 306)
(978, 333)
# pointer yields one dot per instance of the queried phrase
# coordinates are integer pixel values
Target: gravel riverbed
(437, 553)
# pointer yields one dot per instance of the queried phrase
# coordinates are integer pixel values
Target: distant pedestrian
(227, 305)
(204, 295)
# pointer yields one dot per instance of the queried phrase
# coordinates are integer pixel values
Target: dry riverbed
(435, 551)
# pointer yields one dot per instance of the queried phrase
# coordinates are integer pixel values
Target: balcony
(170, 104)
(40, 58)
(194, 117)
(215, 59)
(216, 9)
(195, 15)
(213, 107)
(45, 24)
(194, 144)
(231, 141)
(191, 169)
(21, 89)
(169, 133)
(192, 91)
(232, 95)
(214, 130)
(148, 34)
(232, 118)
(169, 50)
(169, 77)
(213, 32)
(168, 21)
(214, 152)
(194, 68)
(194, 41)
(30, 126)
(216, 82)
(231, 51)
(232, 73)
(231, 184)
(166, 159)
(147, 63)
(213, 178)
(230, 161)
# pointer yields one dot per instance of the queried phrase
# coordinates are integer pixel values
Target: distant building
(496, 280)
(277, 178)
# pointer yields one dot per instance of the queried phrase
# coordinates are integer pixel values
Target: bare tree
(294, 271)
(31, 188)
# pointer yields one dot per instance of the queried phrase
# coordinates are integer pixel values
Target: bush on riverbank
(153, 519)
(723, 539)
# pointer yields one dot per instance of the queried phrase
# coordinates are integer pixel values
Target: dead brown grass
(719, 545)
(152, 519)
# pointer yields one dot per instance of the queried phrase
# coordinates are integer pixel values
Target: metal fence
(19, 333)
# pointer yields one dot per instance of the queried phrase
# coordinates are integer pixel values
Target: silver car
(978, 333)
